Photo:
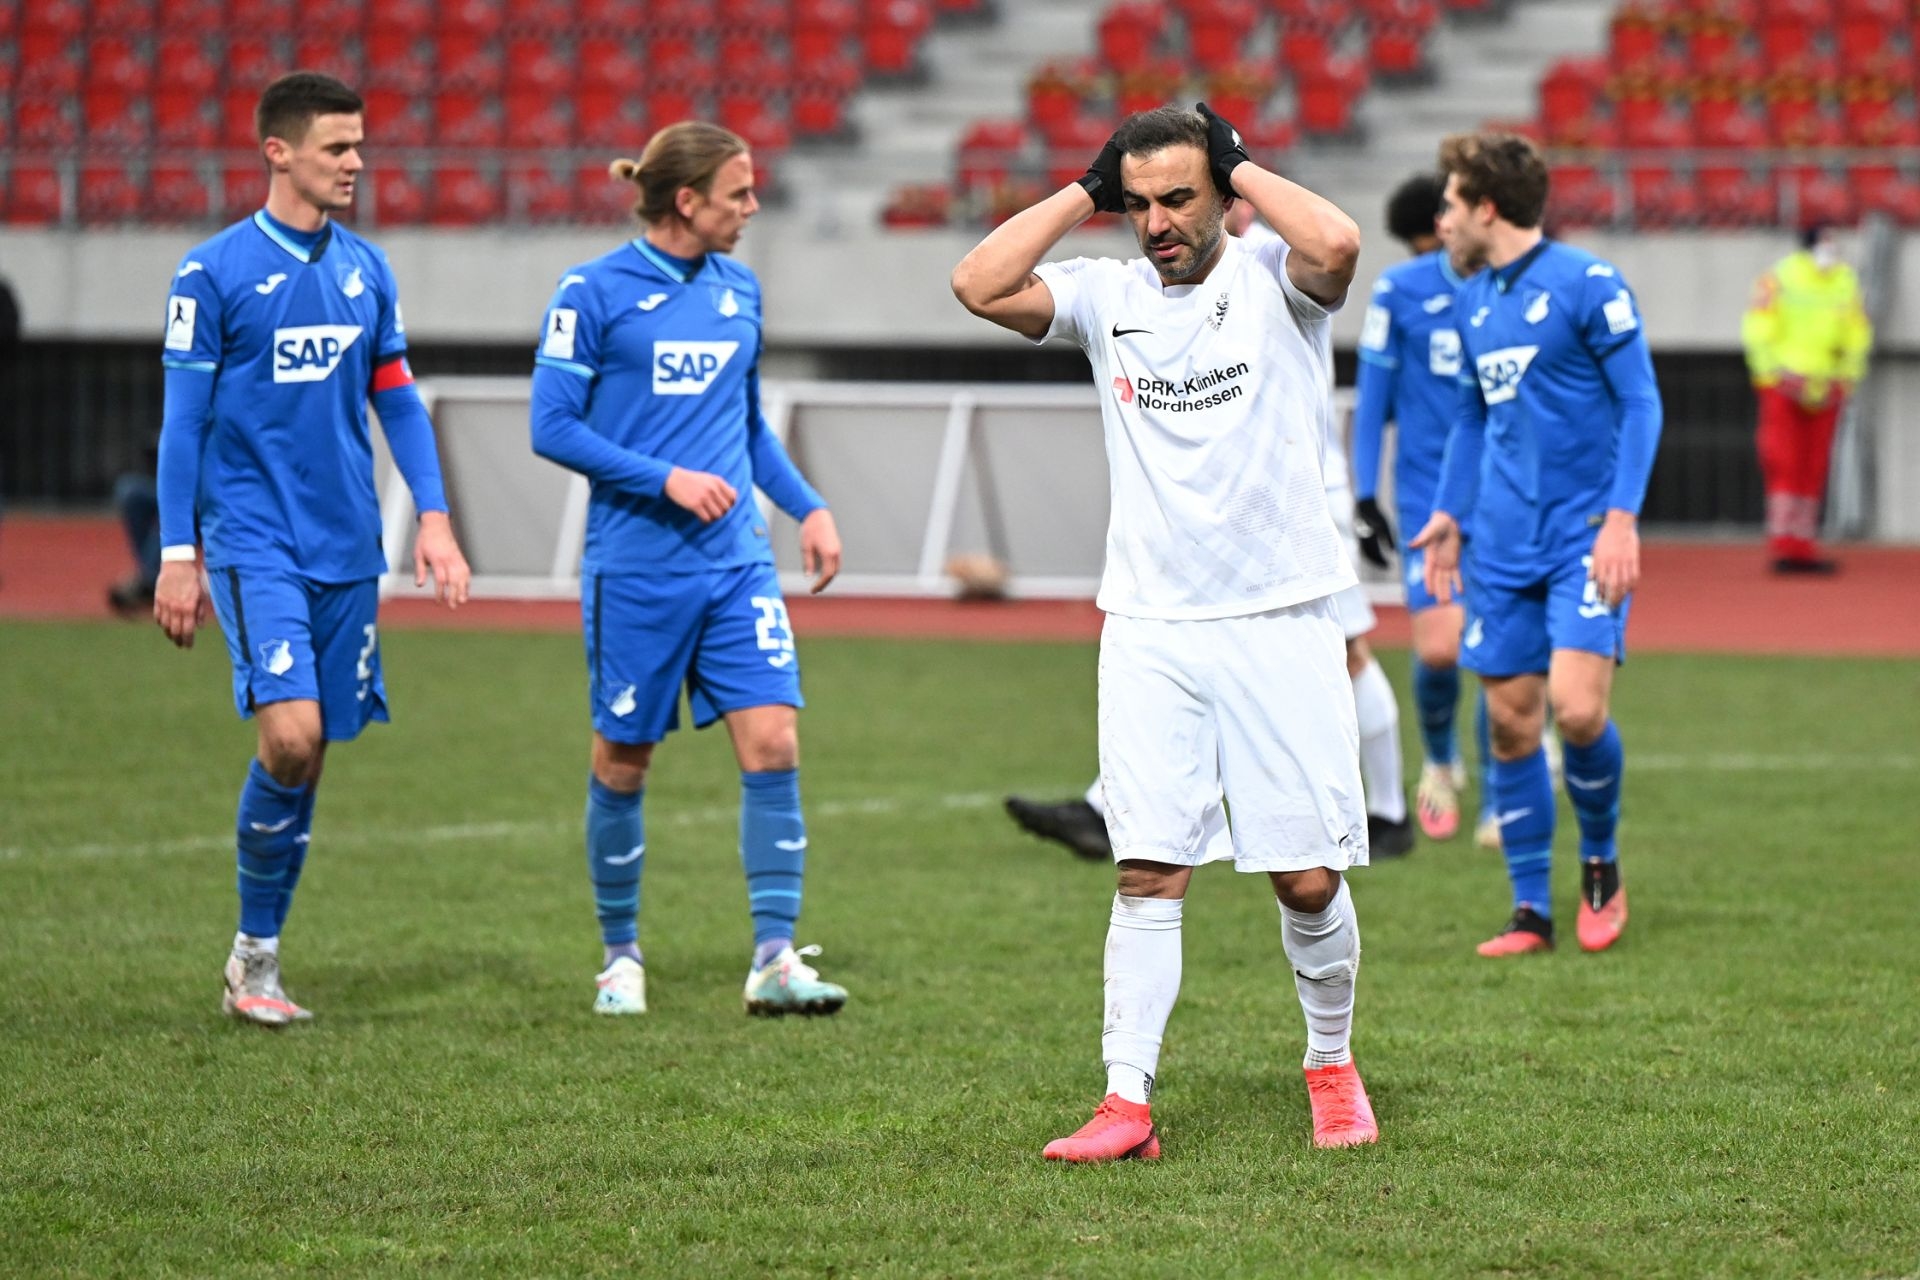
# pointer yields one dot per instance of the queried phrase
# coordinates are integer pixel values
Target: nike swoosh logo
(189, 269)
(791, 846)
(649, 303)
(574, 278)
(633, 856)
(274, 829)
(272, 283)
(1118, 332)
(1511, 815)
(1586, 785)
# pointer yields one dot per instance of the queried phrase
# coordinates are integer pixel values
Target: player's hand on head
(1372, 531)
(437, 551)
(819, 549)
(706, 495)
(1102, 180)
(180, 601)
(1224, 148)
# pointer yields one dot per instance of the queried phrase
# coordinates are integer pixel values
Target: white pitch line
(465, 831)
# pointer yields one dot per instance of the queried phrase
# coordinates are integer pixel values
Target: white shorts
(1254, 711)
(1353, 608)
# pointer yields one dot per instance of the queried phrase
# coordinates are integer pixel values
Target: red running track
(1694, 597)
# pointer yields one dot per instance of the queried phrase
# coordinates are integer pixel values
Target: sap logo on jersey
(688, 368)
(310, 352)
(1501, 371)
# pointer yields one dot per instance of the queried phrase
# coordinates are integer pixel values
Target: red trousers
(1796, 449)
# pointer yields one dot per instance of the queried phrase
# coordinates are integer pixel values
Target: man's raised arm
(996, 281)
(1325, 242)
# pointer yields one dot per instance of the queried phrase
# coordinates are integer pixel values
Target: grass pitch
(1731, 1092)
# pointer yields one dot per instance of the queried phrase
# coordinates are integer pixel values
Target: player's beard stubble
(1184, 266)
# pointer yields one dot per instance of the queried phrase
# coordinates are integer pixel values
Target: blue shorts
(723, 633)
(1413, 570)
(1516, 621)
(293, 638)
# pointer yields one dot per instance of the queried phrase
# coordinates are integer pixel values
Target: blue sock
(773, 851)
(1593, 775)
(266, 827)
(1436, 693)
(1524, 791)
(616, 847)
(1483, 743)
(302, 834)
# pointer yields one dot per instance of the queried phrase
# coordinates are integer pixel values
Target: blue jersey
(1409, 375)
(292, 337)
(1558, 414)
(646, 363)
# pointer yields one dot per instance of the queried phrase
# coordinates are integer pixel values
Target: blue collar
(304, 245)
(680, 269)
(1506, 277)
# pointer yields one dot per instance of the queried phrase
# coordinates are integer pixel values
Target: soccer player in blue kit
(1409, 371)
(647, 382)
(277, 331)
(1549, 457)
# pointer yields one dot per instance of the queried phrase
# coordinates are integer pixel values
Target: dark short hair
(1502, 167)
(1413, 206)
(1811, 233)
(289, 104)
(1145, 132)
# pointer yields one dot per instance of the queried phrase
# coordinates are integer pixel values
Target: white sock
(1142, 981)
(1324, 950)
(1097, 798)
(247, 942)
(1380, 769)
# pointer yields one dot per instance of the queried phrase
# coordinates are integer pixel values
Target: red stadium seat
(537, 63)
(818, 111)
(1662, 197)
(482, 18)
(989, 150)
(1883, 189)
(538, 194)
(1217, 31)
(405, 19)
(890, 35)
(692, 17)
(468, 59)
(330, 19)
(538, 121)
(599, 197)
(466, 120)
(396, 119)
(1652, 124)
(33, 194)
(622, 16)
(1578, 196)
(259, 15)
(1239, 91)
(329, 55)
(109, 194)
(50, 63)
(189, 66)
(118, 62)
(918, 206)
(611, 118)
(186, 119)
(1572, 89)
(1067, 152)
(1129, 32)
(115, 121)
(1145, 88)
(398, 60)
(177, 193)
(253, 62)
(243, 188)
(236, 118)
(1326, 96)
(1731, 196)
(463, 197)
(192, 17)
(609, 62)
(66, 17)
(540, 15)
(822, 29)
(668, 103)
(398, 196)
(1729, 124)
(45, 122)
(1058, 93)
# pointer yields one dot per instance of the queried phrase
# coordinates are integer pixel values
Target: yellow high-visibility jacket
(1806, 322)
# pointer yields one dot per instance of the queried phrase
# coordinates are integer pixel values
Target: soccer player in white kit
(1222, 662)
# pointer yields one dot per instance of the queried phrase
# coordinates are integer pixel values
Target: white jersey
(1215, 400)
(1333, 462)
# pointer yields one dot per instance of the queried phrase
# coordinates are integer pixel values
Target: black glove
(1102, 180)
(1224, 149)
(1373, 532)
